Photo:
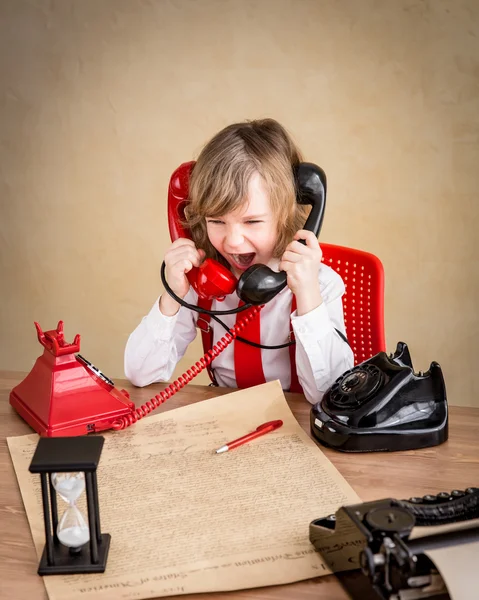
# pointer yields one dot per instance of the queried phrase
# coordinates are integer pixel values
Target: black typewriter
(392, 541)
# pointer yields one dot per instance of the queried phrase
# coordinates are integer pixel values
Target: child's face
(248, 235)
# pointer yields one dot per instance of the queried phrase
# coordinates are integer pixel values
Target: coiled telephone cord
(191, 373)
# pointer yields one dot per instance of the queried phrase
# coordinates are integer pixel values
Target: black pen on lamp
(260, 430)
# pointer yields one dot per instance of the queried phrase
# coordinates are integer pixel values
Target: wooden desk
(453, 465)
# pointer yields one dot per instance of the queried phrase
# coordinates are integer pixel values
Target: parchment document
(184, 519)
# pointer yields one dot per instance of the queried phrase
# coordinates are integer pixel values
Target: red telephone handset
(211, 279)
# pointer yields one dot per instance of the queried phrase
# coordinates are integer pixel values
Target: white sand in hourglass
(74, 537)
(72, 529)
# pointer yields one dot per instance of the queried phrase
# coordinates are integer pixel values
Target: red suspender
(247, 359)
(203, 324)
(248, 364)
(295, 385)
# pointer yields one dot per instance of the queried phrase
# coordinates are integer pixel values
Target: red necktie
(248, 365)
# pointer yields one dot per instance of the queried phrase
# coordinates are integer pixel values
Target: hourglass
(74, 544)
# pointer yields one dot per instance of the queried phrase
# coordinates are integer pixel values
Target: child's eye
(253, 221)
(214, 222)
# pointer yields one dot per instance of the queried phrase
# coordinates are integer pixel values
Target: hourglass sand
(72, 530)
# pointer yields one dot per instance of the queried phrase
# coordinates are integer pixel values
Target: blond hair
(220, 178)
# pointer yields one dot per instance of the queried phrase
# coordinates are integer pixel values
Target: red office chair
(363, 302)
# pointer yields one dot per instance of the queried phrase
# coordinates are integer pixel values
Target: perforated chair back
(363, 302)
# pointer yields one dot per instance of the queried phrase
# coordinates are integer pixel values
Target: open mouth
(243, 261)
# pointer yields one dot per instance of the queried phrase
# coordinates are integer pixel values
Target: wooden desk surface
(453, 465)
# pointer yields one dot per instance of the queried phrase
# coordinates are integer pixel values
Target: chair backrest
(363, 302)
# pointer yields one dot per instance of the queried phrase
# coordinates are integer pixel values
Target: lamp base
(67, 563)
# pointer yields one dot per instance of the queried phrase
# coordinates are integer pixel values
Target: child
(242, 210)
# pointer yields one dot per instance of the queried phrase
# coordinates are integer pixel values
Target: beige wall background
(102, 99)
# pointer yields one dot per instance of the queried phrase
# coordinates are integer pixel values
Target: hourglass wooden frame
(69, 455)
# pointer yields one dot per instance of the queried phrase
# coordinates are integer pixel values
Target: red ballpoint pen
(260, 430)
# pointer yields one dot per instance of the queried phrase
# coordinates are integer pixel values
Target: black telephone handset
(258, 284)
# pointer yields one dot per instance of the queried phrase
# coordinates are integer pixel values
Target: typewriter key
(443, 496)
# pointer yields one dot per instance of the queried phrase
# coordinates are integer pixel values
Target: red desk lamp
(64, 394)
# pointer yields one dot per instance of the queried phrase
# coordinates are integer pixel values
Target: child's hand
(180, 258)
(301, 264)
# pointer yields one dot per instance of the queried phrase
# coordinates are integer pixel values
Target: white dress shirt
(159, 342)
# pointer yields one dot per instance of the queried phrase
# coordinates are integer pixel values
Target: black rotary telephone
(382, 404)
